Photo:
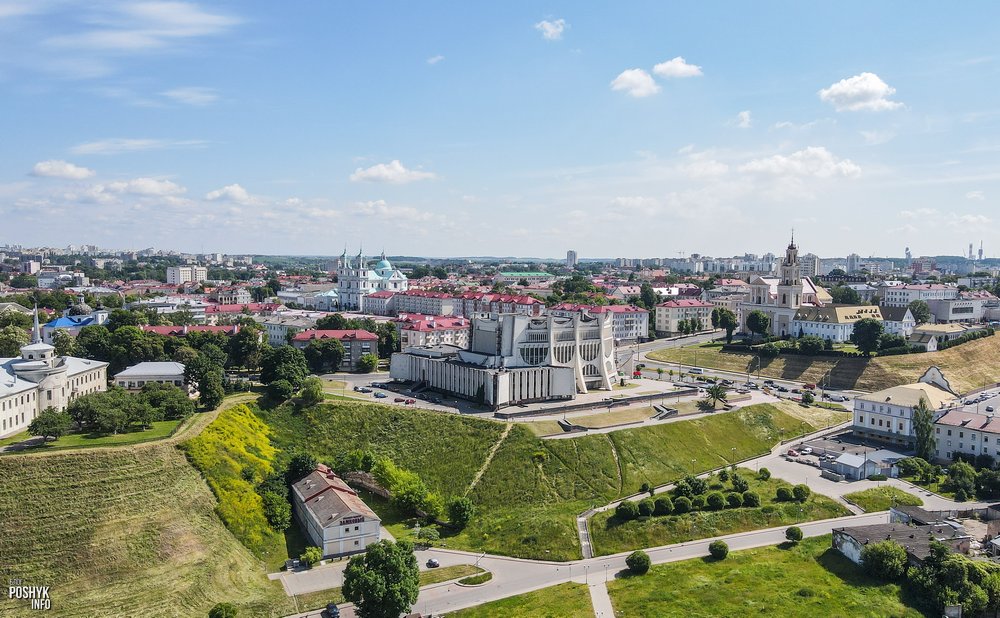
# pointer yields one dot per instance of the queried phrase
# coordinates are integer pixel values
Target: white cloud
(381, 210)
(972, 220)
(636, 83)
(866, 92)
(552, 30)
(120, 145)
(435, 59)
(192, 95)
(975, 195)
(146, 186)
(231, 193)
(743, 119)
(393, 172)
(55, 168)
(677, 67)
(814, 161)
(147, 25)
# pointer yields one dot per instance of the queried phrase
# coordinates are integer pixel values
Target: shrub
(877, 477)
(751, 499)
(808, 398)
(884, 559)
(794, 534)
(740, 484)
(280, 390)
(644, 488)
(770, 350)
(638, 562)
(682, 505)
(311, 556)
(627, 510)
(697, 503)
(663, 506)
(960, 495)
(734, 500)
(801, 492)
(429, 533)
(723, 475)
(277, 510)
(811, 344)
(715, 501)
(784, 494)
(223, 610)
(646, 507)
(460, 512)
(764, 474)
(718, 549)
(698, 486)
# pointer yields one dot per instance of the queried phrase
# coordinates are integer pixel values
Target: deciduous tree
(384, 581)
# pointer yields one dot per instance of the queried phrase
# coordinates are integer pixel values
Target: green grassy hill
(128, 532)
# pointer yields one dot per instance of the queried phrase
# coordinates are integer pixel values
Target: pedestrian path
(601, 601)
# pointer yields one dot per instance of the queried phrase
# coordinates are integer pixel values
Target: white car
(807, 450)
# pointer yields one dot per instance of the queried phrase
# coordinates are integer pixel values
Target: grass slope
(809, 579)
(881, 498)
(529, 495)
(562, 601)
(610, 536)
(125, 532)
(967, 366)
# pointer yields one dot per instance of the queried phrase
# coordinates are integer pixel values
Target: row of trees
(115, 411)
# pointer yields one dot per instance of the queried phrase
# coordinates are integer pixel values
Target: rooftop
(151, 369)
(908, 395)
(341, 335)
(329, 499)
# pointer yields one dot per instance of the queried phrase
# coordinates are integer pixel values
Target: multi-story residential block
(903, 295)
(513, 278)
(280, 329)
(571, 259)
(961, 430)
(887, 415)
(230, 296)
(356, 344)
(628, 322)
(427, 330)
(179, 275)
(811, 265)
(173, 304)
(421, 301)
(670, 313)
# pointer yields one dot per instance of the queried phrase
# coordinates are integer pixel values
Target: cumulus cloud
(864, 92)
(117, 145)
(382, 210)
(814, 161)
(146, 186)
(435, 59)
(231, 193)
(192, 95)
(55, 168)
(393, 172)
(743, 119)
(677, 67)
(975, 195)
(636, 83)
(551, 30)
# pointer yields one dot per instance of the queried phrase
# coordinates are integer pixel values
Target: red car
(792, 453)
(811, 387)
(410, 401)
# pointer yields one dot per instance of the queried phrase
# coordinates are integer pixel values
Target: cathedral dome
(80, 309)
(383, 265)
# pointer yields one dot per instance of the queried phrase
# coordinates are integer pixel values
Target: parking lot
(839, 444)
(986, 402)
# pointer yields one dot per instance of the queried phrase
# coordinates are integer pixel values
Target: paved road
(513, 576)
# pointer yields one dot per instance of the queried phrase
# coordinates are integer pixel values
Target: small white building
(833, 322)
(137, 376)
(332, 515)
(887, 415)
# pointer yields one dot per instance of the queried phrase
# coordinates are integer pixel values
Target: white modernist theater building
(514, 358)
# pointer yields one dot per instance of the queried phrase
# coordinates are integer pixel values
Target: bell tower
(790, 285)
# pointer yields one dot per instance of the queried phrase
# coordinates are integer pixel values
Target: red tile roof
(598, 308)
(352, 335)
(382, 294)
(251, 307)
(428, 323)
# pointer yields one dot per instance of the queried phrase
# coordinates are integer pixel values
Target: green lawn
(609, 536)
(807, 580)
(159, 430)
(129, 532)
(939, 486)
(881, 498)
(562, 601)
(17, 437)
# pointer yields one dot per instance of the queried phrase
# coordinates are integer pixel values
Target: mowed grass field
(610, 536)
(562, 601)
(967, 366)
(805, 580)
(881, 498)
(128, 532)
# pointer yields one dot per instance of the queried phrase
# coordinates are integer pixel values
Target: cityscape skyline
(498, 130)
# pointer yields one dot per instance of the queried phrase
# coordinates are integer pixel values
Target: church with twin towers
(357, 278)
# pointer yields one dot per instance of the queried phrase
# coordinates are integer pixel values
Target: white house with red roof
(356, 343)
(628, 322)
(417, 329)
(332, 515)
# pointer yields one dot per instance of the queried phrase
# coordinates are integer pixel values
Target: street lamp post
(606, 573)
(734, 455)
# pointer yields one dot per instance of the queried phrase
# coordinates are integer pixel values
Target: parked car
(811, 387)
(399, 400)
(357, 389)
(380, 395)
(807, 450)
(331, 611)
(782, 389)
(410, 402)
(796, 390)
(792, 453)
(769, 382)
(990, 409)
(432, 563)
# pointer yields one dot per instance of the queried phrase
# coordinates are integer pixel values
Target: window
(949, 432)
(961, 434)
(901, 427)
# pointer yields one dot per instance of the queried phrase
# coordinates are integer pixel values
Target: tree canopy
(384, 581)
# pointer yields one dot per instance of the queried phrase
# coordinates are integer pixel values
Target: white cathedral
(39, 379)
(781, 297)
(355, 280)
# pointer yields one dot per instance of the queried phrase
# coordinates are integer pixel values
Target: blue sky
(516, 128)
